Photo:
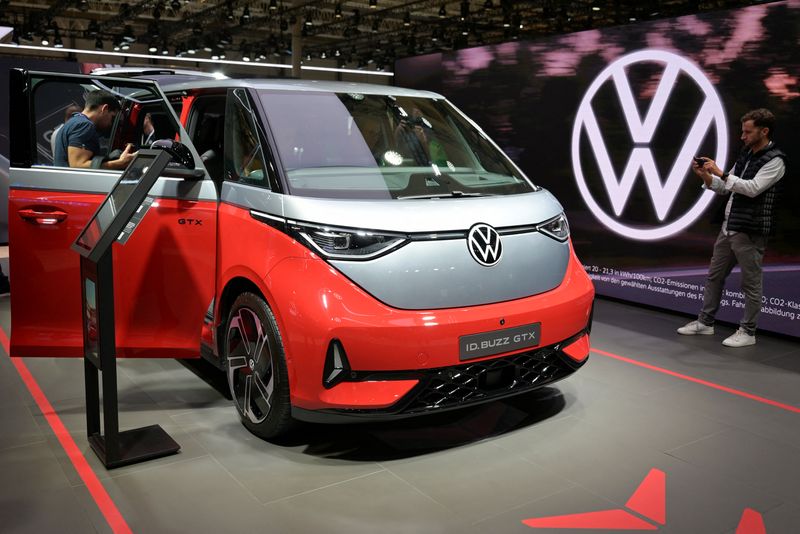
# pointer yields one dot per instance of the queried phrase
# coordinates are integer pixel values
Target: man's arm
(82, 158)
(765, 178)
(79, 157)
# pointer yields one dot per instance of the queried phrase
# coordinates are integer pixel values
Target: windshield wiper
(448, 194)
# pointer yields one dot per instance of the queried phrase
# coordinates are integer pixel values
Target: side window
(206, 127)
(245, 159)
(139, 116)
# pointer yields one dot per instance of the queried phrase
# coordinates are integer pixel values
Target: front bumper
(459, 386)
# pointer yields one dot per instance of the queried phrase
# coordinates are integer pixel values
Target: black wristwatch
(725, 175)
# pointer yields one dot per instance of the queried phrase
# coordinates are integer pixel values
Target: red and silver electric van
(345, 251)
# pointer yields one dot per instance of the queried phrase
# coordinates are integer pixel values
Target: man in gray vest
(754, 185)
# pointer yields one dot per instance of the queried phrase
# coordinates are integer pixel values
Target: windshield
(353, 145)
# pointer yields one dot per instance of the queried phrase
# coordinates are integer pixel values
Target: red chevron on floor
(649, 499)
(751, 523)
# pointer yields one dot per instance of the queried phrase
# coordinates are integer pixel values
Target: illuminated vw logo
(483, 243)
(642, 130)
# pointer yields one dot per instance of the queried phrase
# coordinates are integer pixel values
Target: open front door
(163, 275)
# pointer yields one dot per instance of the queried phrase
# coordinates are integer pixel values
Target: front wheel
(256, 367)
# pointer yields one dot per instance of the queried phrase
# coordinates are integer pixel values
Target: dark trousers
(748, 251)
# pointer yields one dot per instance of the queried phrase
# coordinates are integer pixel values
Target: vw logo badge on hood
(483, 243)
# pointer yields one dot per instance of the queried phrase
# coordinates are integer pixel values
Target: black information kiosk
(115, 220)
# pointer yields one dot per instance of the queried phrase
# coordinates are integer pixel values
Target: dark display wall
(608, 120)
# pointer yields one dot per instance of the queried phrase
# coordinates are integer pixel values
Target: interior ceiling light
(407, 19)
(442, 12)
(337, 11)
(373, 4)
(273, 5)
(83, 5)
(246, 13)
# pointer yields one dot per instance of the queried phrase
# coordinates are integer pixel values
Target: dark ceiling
(367, 34)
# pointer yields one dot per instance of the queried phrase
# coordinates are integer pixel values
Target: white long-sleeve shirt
(766, 177)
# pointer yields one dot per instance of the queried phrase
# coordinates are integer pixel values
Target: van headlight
(347, 244)
(557, 227)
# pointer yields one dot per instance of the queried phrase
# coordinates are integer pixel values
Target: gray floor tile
(53, 510)
(735, 411)
(375, 503)
(195, 495)
(268, 471)
(636, 418)
(751, 459)
(28, 471)
(19, 427)
(478, 480)
(190, 448)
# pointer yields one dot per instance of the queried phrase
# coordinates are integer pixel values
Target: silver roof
(301, 85)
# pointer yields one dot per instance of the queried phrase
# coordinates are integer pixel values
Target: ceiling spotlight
(83, 5)
(152, 48)
(373, 4)
(323, 55)
(45, 41)
(273, 5)
(464, 10)
(442, 12)
(407, 19)
(337, 52)
(57, 42)
(246, 13)
(337, 11)
(506, 21)
(127, 34)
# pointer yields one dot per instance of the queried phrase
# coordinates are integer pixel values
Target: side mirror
(180, 153)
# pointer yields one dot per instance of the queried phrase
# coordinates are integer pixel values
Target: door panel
(163, 275)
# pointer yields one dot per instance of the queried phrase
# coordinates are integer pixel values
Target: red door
(163, 275)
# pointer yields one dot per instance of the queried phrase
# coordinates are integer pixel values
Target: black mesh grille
(485, 380)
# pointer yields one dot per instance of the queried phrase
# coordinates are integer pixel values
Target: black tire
(256, 367)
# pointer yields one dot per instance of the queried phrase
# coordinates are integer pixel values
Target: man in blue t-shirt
(78, 142)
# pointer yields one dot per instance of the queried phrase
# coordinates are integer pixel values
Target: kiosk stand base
(133, 446)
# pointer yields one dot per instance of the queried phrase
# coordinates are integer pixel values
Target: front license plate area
(499, 341)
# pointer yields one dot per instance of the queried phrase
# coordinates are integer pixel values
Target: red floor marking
(604, 520)
(763, 400)
(96, 489)
(751, 523)
(650, 498)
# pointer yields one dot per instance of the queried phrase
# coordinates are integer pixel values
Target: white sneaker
(740, 338)
(696, 328)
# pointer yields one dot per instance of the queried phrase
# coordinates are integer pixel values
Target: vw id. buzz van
(342, 251)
